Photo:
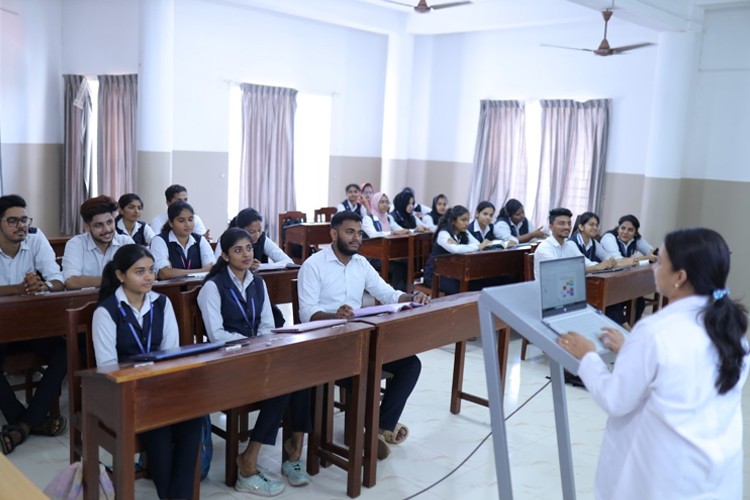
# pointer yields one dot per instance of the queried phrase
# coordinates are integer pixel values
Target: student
(27, 266)
(86, 254)
(178, 250)
(380, 222)
(129, 220)
(420, 209)
(177, 192)
(351, 203)
(235, 305)
(452, 236)
(366, 198)
(674, 397)
(555, 247)
(331, 285)
(403, 212)
(131, 319)
(439, 206)
(583, 239)
(512, 224)
(625, 240)
(482, 228)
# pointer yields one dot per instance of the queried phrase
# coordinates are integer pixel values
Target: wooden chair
(192, 329)
(283, 217)
(422, 250)
(79, 323)
(324, 214)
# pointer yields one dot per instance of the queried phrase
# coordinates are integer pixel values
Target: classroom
(404, 92)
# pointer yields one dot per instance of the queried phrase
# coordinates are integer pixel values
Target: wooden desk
(466, 267)
(606, 289)
(15, 484)
(279, 284)
(447, 320)
(130, 400)
(27, 317)
(307, 235)
(393, 247)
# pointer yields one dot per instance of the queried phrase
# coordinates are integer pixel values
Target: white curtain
(117, 149)
(573, 155)
(500, 165)
(267, 153)
(77, 174)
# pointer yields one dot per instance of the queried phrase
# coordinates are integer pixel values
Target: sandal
(58, 423)
(397, 435)
(7, 442)
(383, 449)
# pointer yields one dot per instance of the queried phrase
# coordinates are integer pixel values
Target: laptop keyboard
(585, 324)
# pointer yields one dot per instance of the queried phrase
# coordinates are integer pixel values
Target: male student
(560, 225)
(351, 203)
(174, 193)
(27, 266)
(86, 254)
(331, 285)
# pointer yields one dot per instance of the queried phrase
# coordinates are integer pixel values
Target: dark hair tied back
(124, 258)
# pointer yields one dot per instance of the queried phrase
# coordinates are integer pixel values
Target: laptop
(562, 285)
(177, 352)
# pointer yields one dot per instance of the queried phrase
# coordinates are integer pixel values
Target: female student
(482, 229)
(235, 305)
(512, 223)
(366, 198)
(403, 208)
(129, 221)
(586, 229)
(380, 222)
(439, 206)
(131, 319)
(452, 236)
(674, 395)
(264, 249)
(177, 249)
(625, 240)
(351, 203)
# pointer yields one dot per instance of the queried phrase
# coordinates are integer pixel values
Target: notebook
(178, 352)
(562, 284)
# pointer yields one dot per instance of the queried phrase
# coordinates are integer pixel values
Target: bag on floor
(68, 484)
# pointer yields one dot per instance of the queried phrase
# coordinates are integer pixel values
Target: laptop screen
(563, 285)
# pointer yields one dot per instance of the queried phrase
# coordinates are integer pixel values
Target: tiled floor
(439, 444)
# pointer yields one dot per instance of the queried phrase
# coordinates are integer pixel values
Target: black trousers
(53, 350)
(272, 411)
(172, 452)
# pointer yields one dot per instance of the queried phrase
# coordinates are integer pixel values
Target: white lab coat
(670, 435)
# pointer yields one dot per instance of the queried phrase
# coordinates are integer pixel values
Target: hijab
(382, 216)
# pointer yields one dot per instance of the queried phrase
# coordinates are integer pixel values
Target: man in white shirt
(28, 266)
(331, 285)
(560, 225)
(86, 254)
(174, 193)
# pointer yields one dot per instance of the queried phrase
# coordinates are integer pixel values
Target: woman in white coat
(674, 395)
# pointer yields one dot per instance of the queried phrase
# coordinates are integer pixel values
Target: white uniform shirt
(157, 223)
(600, 253)
(148, 233)
(104, 330)
(550, 249)
(503, 232)
(609, 243)
(427, 222)
(474, 228)
(368, 226)
(35, 254)
(160, 251)
(209, 301)
(345, 205)
(670, 435)
(325, 284)
(271, 249)
(83, 258)
(444, 236)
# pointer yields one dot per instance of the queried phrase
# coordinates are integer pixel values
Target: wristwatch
(49, 285)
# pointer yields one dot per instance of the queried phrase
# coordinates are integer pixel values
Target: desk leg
(633, 305)
(90, 457)
(372, 417)
(563, 431)
(314, 439)
(356, 416)
(459, 359)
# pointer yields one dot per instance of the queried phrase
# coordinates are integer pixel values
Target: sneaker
(259, 485)
(295, 473)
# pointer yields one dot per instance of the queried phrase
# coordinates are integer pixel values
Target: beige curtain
(117, 115)
(573, 156)
(77, 174)
(267, 156)
(500, 156)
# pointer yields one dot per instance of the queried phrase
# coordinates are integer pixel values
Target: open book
(385, 309)
(359, 313)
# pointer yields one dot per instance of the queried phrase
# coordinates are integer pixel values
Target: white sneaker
(258, 484)
(295, 473)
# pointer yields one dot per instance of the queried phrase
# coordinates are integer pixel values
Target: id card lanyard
(243, 311)
(135, 334)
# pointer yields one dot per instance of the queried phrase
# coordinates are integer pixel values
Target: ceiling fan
(423, 8)
(604, 49)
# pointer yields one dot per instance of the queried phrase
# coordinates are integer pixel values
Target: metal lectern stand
(519, 306)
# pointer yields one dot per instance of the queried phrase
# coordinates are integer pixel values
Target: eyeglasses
(16, 221)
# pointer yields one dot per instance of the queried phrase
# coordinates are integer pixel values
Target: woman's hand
(612, 339)
(422, 229)
(538, 233)
(255, 265)
(510, 243)
(484, 244)
(576, 344)
(401, 231)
